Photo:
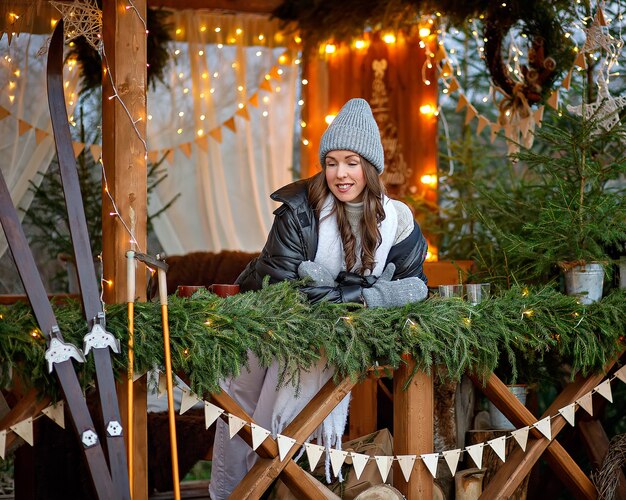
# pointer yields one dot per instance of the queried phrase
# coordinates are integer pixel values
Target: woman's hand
(317, 272)
(387, 293)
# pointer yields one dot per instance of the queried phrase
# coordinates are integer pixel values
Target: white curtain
(26, 143)
(220, 64)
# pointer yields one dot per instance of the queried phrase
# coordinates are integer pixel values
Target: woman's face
(345, 176)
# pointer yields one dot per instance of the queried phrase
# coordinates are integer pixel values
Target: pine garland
(519, 332)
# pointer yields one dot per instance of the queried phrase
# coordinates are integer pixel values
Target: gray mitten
(317, 272)
(387, 293)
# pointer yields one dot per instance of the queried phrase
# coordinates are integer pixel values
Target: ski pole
(130, 288)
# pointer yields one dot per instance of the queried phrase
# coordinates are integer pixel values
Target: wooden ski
(97, 339)
(59, 353)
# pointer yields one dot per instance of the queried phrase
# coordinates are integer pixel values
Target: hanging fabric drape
(26, 142)
(224, 125)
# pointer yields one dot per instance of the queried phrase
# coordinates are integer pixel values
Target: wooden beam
(363, 417)
(252, 6)
(519, 464)
(124, 158)
(265, 471)
(413, 428)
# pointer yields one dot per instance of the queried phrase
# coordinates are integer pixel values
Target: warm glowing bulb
(201, 52)
(389, 38)
(329, 119)
(200, 132)
(181, 114)
(427, 109)
(330, 48)
(259, 53)
(429, 179)
(53, 22)
(203, 28)
(301, 102)
(359, 44)
(179, 31)
(266, 99)
(305, 142)
(265, 113)
(303, 124)
(202, 117)
(424, 32)
(305, 82)
(297, 39)
(261, 37)
(238, 31)
(240, 88)
(179, 131)
(240, 105)
(282, 59)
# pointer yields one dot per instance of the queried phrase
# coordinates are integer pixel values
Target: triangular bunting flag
(600, 17)
(568, 413)
(265, 85)
(96, 151)
(538, 115)
(553, 100)
(580, 60)
(521, 436)
(452, 459)
(337, 458)
(462, 102)
(586, 403)
(216, 133)
(621, 374)
(243, 112)
(359, 461)
(254, 100)
(153, 156)
(78, 148)
(169, 156)
(234, 425)
(406, 465)
(187, 401)
(482, 123)
(259, 434)
(384, 466)
(454, 85)
(567, 80)
(185, 147)
(430, 461)
(284, 445)
(3, 443)
(162, 385)
(230, 123)
(211, 414)
(446, 70)
(544, 427)
(56, 414)
(24, 429)
(313, 454)
(495, 128)
(23, 127)
(203, 143)
(4, 113)
(40, 135)
(604, 389)
(470, 114)
(524, 124)
(499, 446)
(476, 452)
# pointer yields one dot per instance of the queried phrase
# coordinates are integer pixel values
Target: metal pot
(585, 281)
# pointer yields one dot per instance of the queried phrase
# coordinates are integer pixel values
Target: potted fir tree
(566, 206)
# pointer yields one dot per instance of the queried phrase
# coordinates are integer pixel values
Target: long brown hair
(373, 215)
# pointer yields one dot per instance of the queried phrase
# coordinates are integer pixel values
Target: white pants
(255, 391)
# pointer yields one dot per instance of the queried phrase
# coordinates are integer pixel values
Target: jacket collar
(293, 195)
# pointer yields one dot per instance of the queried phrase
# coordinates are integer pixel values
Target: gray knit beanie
(354, 129)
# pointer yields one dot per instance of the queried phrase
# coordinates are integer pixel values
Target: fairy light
(427, 109)
(359, 44)
(429, 180)
(305, 142)
(329, 119)
(424, 32)
(330, 48)
(389, 38)
(305, 82)
(528, 313)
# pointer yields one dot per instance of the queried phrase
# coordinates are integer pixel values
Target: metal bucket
(585, 282)
(498, 420)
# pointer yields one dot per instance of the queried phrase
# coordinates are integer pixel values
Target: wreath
(549, 55)
(89, 61)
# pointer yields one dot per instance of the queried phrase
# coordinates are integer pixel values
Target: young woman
(356, 245)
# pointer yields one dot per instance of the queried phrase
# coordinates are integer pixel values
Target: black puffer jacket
(293, 239)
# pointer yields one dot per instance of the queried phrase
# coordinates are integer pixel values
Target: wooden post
(413, 428)
(363, 408)
(124, 159)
